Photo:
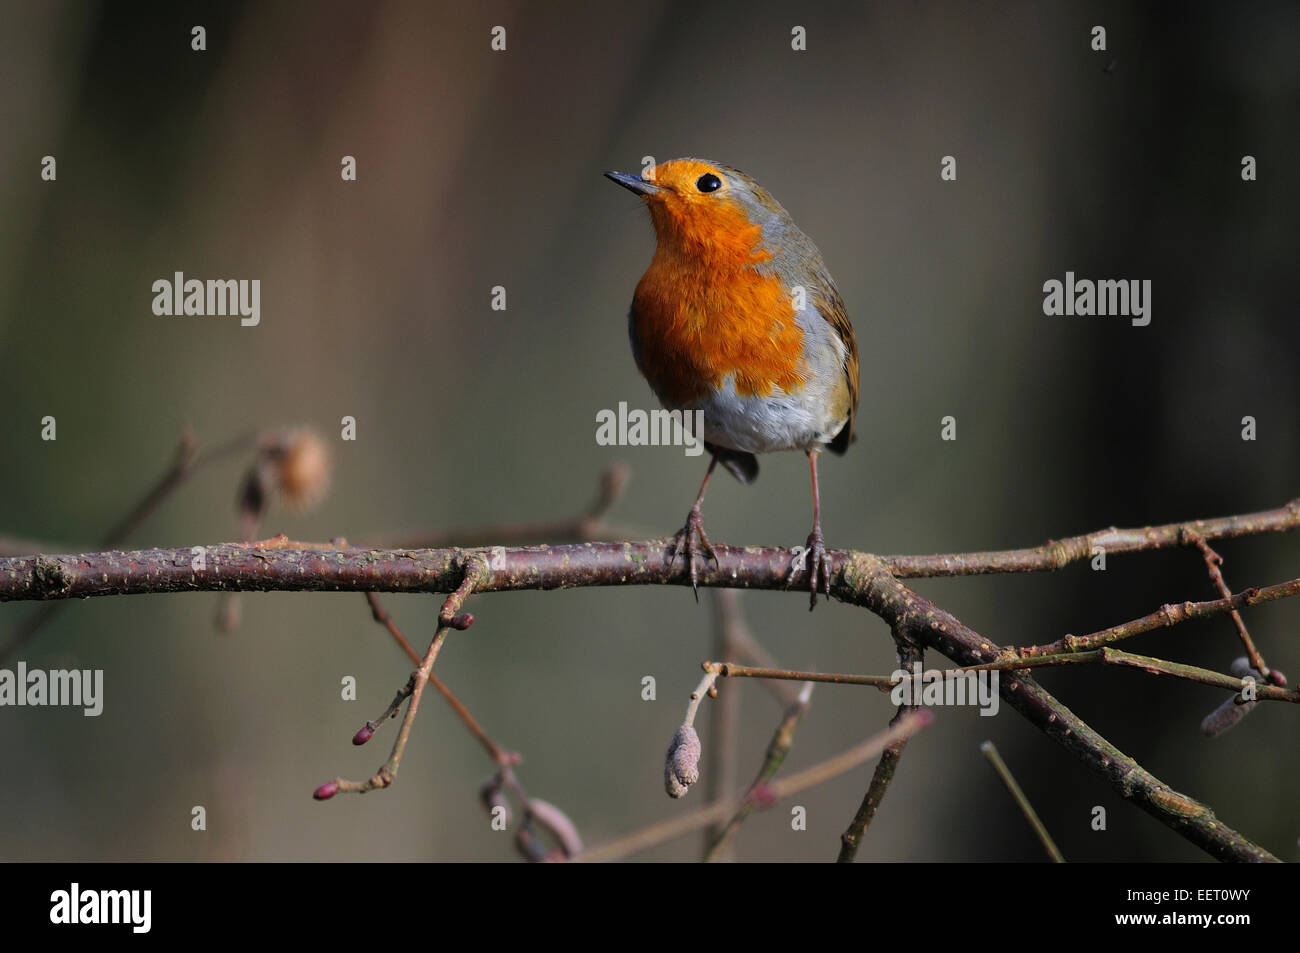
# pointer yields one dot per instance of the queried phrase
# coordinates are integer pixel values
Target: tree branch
(856, 578)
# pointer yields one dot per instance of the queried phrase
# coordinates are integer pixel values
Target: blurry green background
(479, 169)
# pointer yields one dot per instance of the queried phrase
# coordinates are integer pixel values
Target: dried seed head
(302, 467)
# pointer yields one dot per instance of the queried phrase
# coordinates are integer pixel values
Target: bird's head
(706, 210)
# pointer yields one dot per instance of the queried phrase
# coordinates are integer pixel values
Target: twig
(765, 796)
(1153, 666)
(1000, 766)
(869, 579)
(908, 654)
(448, 619)
(185, 464)
(1212, 563)
(857, 578)
(777, 749)
(1166, 615)
(1104, 655)
(495, 751)
(732, 670)
(1060, 553)
(588, 525)
(723, 725)
(738, 634)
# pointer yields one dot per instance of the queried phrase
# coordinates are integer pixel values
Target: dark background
(479, 169)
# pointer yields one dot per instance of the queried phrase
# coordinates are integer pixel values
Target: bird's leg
(816, 546)
(695, 528)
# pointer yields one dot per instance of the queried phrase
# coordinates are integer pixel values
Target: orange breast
(702, 312)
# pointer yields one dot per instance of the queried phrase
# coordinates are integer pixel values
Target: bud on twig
(326, 791)
(682, 765)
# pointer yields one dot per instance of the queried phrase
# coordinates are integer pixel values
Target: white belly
(779, 421)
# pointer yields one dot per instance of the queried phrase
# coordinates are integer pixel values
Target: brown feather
(830, 306)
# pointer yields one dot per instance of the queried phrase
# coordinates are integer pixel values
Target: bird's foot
(686, 543)
(818, 567)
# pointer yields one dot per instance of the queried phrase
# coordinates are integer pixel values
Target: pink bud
(326, 791)
(365, 734)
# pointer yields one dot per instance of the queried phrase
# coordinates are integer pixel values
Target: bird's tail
(739, 463)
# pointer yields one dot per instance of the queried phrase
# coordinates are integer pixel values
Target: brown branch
(1013, 663)
(1059, 553)
(1152, 666)
(871, 585)
(777, 749)
(585, 527)
(448, 619)
(186, 463)
(496, 752)
(732, 670)
(857, 578)
(765, 796)
(1212, 563)
(991, 752)
(1166, 615)
(908, 654)
(724, 724)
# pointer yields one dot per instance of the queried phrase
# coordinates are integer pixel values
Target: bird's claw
(686, 543)
(818, 567)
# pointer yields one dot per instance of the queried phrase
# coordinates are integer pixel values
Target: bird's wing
(830, 306)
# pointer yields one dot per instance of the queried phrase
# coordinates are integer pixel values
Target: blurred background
(479, 168)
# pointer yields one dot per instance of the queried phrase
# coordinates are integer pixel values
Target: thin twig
(724, 722)
(1166, 615)
(908, 654)
(777, 749)
(496, 752)
(875, 588)
(1154, 666)
(991, 752)
(765, 796)
(1059, 553)
(447, 620)
(732, 670)
(1212, 563)
(588, 525)
(187, 461)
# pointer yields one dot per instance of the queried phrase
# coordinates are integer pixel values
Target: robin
(738, 317)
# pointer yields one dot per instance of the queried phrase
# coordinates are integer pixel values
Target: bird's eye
(708, 182)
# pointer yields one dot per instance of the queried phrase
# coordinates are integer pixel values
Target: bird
(737, 316)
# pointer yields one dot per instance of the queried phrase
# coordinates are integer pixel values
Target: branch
(1212, 563)
(777, 749)
(1060, 553)
(448, 619)
(883, 776)
(869, 579)
(857, 578)
(765, 796)
(1027, 809)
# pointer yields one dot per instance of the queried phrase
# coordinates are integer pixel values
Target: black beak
(634, 183)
